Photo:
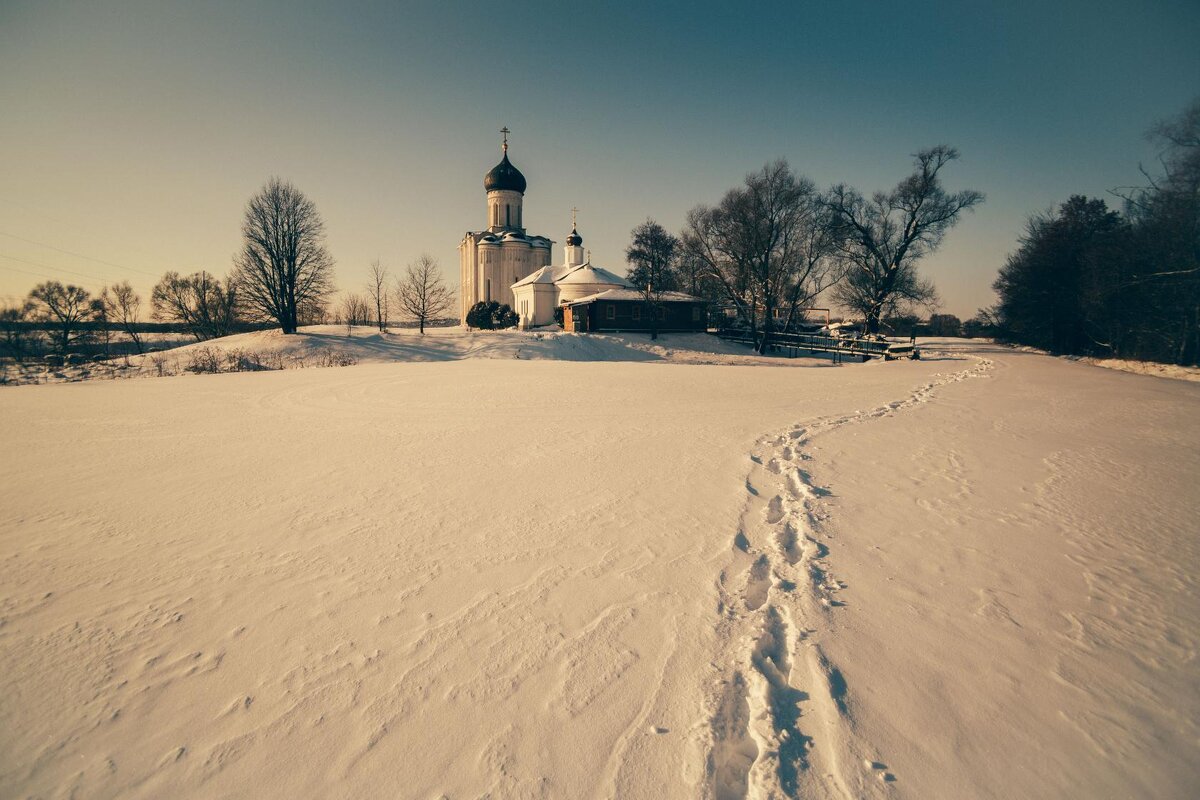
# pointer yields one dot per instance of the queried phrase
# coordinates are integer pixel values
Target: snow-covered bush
(491, 316)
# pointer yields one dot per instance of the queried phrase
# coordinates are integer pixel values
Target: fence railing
(792, 345)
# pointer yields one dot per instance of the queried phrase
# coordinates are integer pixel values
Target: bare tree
(1165, 286)
(65, 309)
(818, 265)
(652, 256)
(204, 306)
(377, 288)
(122, 305)
(16, 334)
(314, 311)
(764, 244)
(421, 293)
(355, 309)
(884, 237)
(102, 325)
(283, 265)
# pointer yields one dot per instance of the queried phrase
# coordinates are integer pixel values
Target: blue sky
(132, 134)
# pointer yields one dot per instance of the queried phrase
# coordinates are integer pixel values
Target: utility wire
(28, 272)
(45, 266)
(77, 255)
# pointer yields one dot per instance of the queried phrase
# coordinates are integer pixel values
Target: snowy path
(527, 578)
(776, 605)
(1006, 609)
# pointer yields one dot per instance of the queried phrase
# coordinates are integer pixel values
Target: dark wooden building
(627, 310)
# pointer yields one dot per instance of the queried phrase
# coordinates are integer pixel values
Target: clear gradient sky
(132, 134)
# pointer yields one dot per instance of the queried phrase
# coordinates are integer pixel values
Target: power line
(27, 272)
(78, 255)
(46, 266)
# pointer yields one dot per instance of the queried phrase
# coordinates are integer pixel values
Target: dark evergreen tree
(491, 315)
(1061, 290)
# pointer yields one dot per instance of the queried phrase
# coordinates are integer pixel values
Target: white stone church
(506, 264)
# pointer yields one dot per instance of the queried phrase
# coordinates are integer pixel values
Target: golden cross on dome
(506, 132)
(573, 210)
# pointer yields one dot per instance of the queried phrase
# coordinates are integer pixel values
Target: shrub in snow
(205, 360)
(239, 360)
(159, 363)
(491, 316)
(336, 358)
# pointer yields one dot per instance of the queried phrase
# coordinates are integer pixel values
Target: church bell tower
(493, 259)
(505, 187)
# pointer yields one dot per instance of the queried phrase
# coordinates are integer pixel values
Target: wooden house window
(695, 313)
(637, 313)
(610, 311)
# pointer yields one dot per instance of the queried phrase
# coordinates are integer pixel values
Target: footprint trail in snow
(780, 713)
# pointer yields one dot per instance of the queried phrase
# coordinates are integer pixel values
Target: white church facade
(550, 287)
(506, 264)
(493, 259)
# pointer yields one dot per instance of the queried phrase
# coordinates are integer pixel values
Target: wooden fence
(792, 345)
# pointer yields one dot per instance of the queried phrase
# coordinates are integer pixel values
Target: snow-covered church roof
(628, 293)
(586, 273)
(573, 275)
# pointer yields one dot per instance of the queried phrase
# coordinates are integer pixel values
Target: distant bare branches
(769, 244)
(883, 237)
(421, 293)
(64, 309)
(355, 309)
(1088, 280)
(378, 290)
(122, 307)
(15, 334)
(199, 302)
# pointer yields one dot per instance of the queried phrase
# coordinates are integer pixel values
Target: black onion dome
(574, 240)
(504, 176)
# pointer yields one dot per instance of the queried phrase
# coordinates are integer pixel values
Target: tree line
(1090, 280)
(282, 276)
(773, 244)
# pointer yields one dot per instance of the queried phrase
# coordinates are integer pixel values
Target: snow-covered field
(614, 576)
(337, 345)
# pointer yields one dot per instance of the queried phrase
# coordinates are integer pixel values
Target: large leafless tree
(64, 309)
(201, 303)
(422, 294)
(768, 244)
(283, 266)
(885, 236)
